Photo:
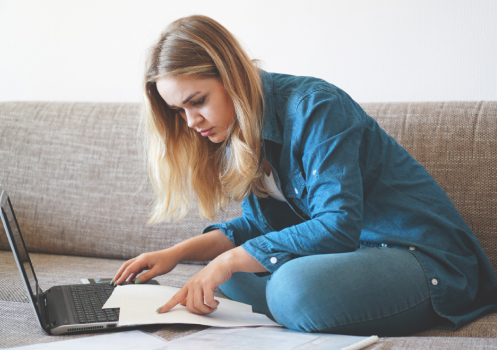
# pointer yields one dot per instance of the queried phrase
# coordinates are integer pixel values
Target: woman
(342, 231)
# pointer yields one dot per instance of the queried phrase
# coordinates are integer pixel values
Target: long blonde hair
(184, 166)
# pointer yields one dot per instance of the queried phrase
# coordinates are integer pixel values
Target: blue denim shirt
(348, 185)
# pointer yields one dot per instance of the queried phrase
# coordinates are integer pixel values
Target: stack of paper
(138, 304)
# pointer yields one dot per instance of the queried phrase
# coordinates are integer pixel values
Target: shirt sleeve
(328, 144)
(241, 229)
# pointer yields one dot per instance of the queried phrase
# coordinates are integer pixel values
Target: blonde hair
(183, 165)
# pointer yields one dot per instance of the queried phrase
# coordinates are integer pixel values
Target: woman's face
(203, 103)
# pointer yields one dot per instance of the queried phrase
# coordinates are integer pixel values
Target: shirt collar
(270, 129)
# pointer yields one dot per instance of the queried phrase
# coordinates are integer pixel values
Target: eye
(199, 102)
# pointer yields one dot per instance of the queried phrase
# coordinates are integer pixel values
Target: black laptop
(60, 309)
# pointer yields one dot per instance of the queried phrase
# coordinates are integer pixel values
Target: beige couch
(78, 185)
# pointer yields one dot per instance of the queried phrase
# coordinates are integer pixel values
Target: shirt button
(273, 260)
(412, 248)
(383, 245)
(296, 191)
(434, 281)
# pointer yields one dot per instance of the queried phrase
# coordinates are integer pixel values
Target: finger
(198, 302)
(131, 276)
(146, 276)
(133, 268)
(175, 300)
(183, 302)
(209, 299)
(122, 268)
(189, 302)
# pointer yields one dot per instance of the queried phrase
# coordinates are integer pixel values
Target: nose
(193, 118)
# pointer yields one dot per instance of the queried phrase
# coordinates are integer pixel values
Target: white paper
(129, 340)
(160, 294)
(266, 338)
(138, 305)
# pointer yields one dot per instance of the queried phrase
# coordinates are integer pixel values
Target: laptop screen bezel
(36, 298)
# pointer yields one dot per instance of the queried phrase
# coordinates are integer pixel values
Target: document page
(138, 305)
(266, 338)
(128, 340)
(158, 294)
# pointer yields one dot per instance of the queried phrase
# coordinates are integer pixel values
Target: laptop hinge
(41, 304)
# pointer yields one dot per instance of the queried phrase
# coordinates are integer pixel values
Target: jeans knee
(351, 293)
(291, 303)
(249, 289)
(240, 286)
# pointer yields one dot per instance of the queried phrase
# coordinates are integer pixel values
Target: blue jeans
(380, 291)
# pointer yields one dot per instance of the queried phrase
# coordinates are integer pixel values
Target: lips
(206, 132)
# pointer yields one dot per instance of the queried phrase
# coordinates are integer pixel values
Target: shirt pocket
(296, 185)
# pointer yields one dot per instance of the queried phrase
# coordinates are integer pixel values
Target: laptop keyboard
(89, 299)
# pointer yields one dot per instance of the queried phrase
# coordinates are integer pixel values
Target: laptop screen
(18, 247)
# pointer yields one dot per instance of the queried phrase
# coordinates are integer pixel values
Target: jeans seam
(326, 330)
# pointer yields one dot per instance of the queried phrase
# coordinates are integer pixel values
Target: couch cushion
(433, 343)
(58, 269)
(483, 327)
(78, 181)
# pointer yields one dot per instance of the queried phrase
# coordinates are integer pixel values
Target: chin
(216, 138)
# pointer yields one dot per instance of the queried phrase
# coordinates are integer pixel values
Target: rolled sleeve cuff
(260, 250)
(224, 228)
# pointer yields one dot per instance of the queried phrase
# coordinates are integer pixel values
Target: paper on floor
(138, 305)
(129, 340)
(267, 338)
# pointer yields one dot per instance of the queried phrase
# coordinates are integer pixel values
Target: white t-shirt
(273, 188)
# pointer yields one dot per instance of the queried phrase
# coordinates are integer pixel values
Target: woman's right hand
(157, 263)
(199, 248)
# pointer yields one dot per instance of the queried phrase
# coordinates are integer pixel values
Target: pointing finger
(175, 300)
(122, 268)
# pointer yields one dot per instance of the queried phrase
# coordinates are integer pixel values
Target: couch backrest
(79, 185)
(457, 143)
(78, 182)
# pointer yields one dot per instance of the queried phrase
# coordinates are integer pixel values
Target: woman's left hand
(198, 293)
